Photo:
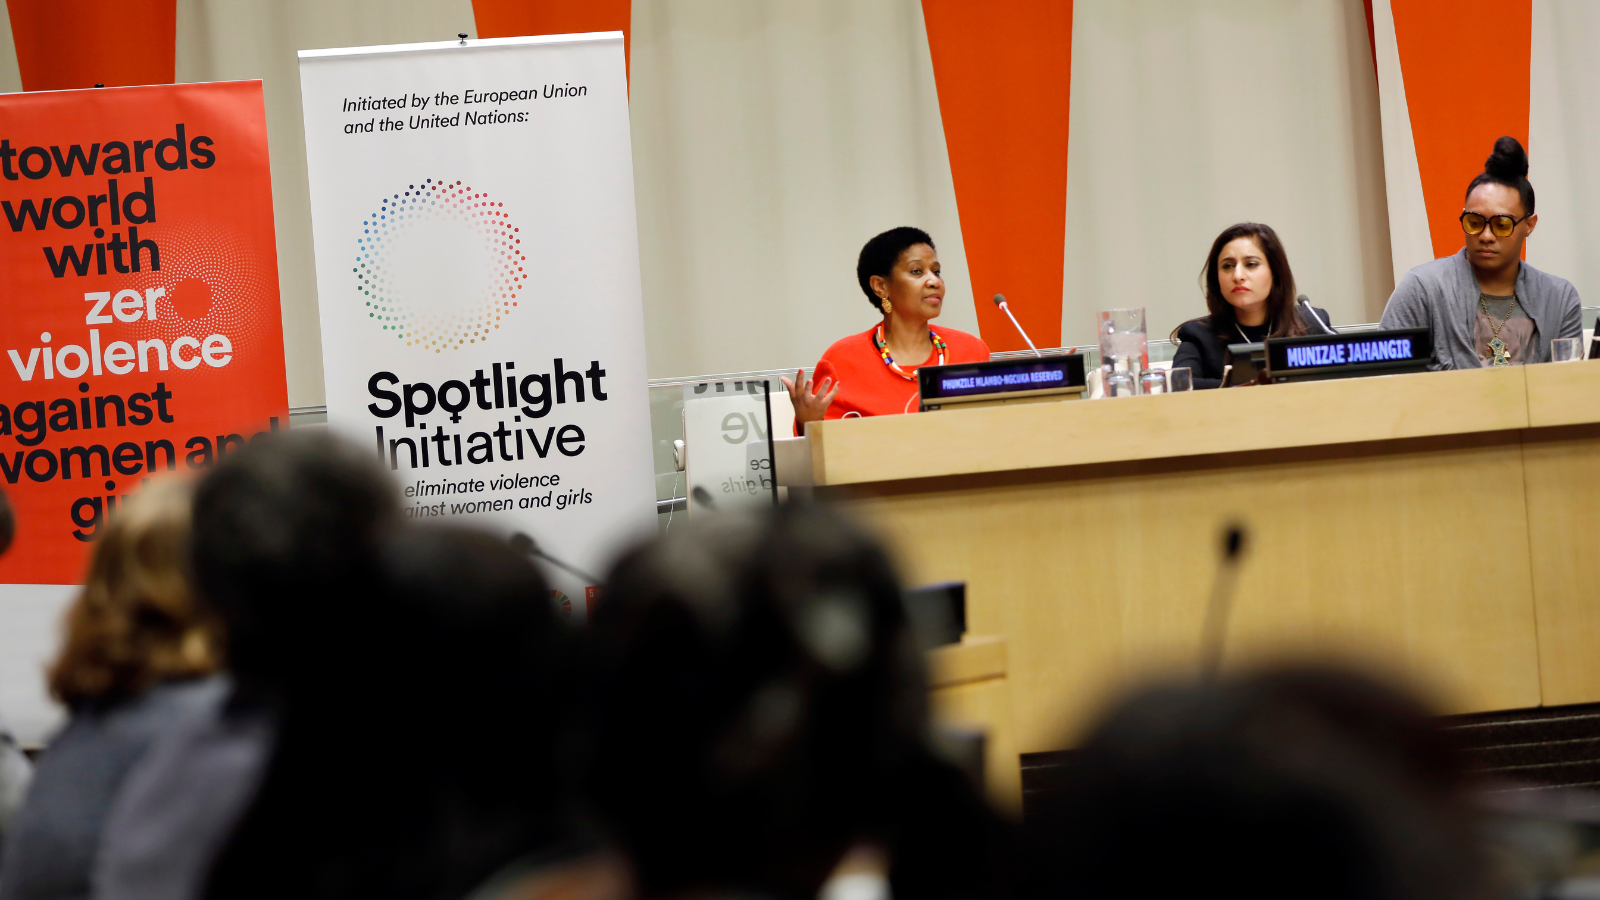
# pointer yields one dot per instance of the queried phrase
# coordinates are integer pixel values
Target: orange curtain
(64, 44)
(1004, 74)
(515, 18)
(1466, 70)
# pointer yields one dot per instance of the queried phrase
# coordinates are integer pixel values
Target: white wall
(1189, 116)
(30, 622)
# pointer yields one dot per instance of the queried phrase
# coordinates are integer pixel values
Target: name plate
(1000, 379)
(1349, 355)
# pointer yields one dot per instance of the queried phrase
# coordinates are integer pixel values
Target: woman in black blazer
(1250, 294)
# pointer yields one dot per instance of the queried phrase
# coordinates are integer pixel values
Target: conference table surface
(1437, 528)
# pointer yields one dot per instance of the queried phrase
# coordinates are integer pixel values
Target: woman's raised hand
(808, 406)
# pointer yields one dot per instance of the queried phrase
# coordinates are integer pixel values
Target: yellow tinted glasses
(1502, 226)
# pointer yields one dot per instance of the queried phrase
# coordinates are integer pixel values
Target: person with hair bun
(875, 373)
(1485, 306)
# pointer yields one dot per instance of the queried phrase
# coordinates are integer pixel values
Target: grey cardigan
(51, 851)
(15, 772)
(178, 806)
(1443, 296)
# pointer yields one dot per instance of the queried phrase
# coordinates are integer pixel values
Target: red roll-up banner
(142, 331)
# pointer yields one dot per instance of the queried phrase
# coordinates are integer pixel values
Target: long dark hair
(1282, 318)
(466, 625)
(766, 663)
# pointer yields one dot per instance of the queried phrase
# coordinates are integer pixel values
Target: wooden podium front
(1443, 528)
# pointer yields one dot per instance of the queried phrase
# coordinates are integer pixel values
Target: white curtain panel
(771, 140)
(1190, 116)
(1563, 132)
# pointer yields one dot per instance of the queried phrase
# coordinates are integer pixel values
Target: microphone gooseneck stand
(1213, 638)
(522, 543)
(1000, 301)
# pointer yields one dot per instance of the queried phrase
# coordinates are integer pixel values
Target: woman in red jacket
(875, 373)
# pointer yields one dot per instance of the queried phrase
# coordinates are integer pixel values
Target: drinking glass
(1179, 379)
(1122, 342)
(1153, 382)
(1566, 350)
(1120, 384)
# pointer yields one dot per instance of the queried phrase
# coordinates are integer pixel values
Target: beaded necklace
(882, 346)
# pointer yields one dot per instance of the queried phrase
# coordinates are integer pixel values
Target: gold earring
(888, 308)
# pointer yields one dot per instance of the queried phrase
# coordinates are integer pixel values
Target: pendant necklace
(882, 346)
(1237, 327)
(1500, 349)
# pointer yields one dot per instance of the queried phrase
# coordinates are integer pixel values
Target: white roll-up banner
(478, 279)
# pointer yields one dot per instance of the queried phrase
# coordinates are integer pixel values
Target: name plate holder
(1000, 381)
(1353, 355)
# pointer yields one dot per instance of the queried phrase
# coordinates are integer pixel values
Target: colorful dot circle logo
(439, 265)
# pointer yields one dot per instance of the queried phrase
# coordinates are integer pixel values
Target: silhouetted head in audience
(1306, 782)
(478, 644)
(759, 705)
(135, 623)
(755, 685)
(285, 550)
(449, 771)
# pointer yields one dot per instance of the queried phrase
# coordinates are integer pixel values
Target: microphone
(1000, 301)
(524, 544)
(1215, 635)
(1305, 302)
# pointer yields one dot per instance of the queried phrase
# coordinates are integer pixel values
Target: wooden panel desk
(1443, 527)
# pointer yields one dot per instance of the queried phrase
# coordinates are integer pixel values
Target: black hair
(882, 252)
(285, 552)
(1255, 783)
(1507, 165)
(759, 705)
(467, 636)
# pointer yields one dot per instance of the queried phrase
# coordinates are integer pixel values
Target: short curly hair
(882, 252)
